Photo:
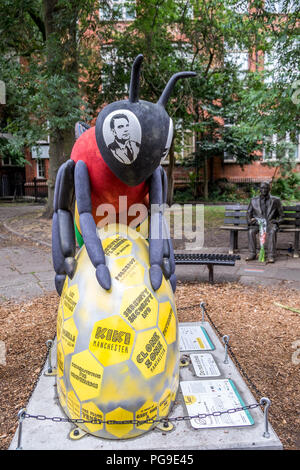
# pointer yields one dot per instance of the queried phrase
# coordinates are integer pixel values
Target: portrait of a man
(123, 147)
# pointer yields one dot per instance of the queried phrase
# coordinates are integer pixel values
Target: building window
(110, 69)
(184, 144)
(118, 10)
(280, 6)
(271, 66)
(282, 148)
(183, 51)
(186, 9)
(228, 157)
(238, 6)
(40, 151)
(238, 58)
(7, 161)
(40, 169)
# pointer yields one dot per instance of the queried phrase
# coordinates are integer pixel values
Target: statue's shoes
(251, 257)
(271, 260)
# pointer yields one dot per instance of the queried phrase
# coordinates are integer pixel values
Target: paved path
(284, 272)
(26, 269)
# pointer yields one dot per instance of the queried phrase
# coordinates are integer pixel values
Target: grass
(214, 216)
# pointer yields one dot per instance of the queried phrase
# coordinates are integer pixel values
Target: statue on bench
(269, 208)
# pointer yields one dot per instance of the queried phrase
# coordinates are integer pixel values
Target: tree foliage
(62, 62)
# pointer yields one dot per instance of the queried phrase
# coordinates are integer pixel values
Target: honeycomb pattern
(111, 341)
(117, 350)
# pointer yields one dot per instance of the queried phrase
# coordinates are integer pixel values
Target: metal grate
(205, 258)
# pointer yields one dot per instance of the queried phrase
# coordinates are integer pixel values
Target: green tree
(191, 35)
(43, 51)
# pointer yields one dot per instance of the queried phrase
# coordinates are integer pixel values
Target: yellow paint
(65, 287)
(200, 342)
(127, 357)
(59, 322)
(62, 392)
(189, 399)
(174, 387)
(86, 375)
(77, 218)
(90, 411)
(117, 246)
(73, 405)
(127, 271)
(150, 353)
(167, 322)
(70, 301)
(69, 335)
(111, 340)
(139, 307)
(165, 289)
(164, 403)
(147, 411)
(60, 360)
(119, 414)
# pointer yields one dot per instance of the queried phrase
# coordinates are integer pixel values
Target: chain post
(51, 370)
(226, 341)
(49, 344)
(21, 417)
(266, 403)
(202, 306)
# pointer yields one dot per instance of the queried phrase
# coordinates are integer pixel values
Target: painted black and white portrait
(122, 135)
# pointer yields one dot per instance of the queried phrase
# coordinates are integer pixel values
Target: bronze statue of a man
(269, 208)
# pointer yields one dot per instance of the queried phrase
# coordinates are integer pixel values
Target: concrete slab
(25, 291)
(46, 434)
(262, 281)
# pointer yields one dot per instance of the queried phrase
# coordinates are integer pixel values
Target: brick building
(221, 168)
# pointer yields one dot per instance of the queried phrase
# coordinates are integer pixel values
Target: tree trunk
(60, 150)
(205, 177)
(61, 141)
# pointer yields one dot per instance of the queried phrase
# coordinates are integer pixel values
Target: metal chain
(59, 419)
(165, 420)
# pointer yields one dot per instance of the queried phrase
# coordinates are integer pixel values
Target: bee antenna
(135, 79)
(170, 85)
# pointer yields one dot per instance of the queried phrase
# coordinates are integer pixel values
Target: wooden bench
(210, 260)
(235, 220)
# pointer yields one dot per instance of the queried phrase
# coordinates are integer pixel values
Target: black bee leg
(63, 234)
(88, 226)
(156, 243)
(168, 265)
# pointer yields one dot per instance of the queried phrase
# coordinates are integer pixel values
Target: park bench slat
(239, 221)
(236, 214)
(236, 207)
(292, 208)
(288, 222)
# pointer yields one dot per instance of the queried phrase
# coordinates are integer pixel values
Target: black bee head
(133, 135)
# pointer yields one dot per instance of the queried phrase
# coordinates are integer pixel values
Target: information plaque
(205, 365)
(207, 396)
(194, 338)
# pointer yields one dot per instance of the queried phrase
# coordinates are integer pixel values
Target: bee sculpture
(120, 155)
